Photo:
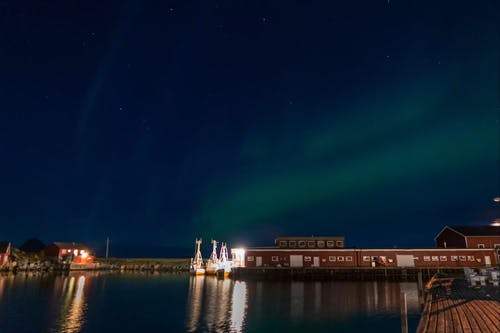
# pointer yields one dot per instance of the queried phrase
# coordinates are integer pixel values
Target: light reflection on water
(73, 308)
(236, 306)
(216, 305)
(176, 303)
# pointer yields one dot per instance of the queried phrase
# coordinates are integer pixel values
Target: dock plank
(461, 308)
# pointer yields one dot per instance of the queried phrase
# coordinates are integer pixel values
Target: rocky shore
(37, 263)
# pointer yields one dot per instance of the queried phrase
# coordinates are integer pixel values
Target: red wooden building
(71, 252)
(277, 257)
(456, 247)
(5, 251)
(473, 237)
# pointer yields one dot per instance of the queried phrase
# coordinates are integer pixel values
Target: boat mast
(223, 253)
(197, 257)
(213, 257)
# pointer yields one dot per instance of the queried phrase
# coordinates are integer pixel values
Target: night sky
(156, 122)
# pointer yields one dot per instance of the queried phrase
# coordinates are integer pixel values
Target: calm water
(177, 303)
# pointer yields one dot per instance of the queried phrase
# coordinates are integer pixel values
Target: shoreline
(101, 264)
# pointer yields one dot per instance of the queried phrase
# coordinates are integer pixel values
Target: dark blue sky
(158, 122)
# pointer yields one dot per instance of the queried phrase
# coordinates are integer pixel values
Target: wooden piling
(404, 313)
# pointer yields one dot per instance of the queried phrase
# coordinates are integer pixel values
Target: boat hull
(197, 271)
(211, 271)
(222, 273)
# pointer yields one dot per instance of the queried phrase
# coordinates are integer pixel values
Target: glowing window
(435, 258)
(250, 258)
(470, 258)
(331, 258)
(443, 258)
(454, 258)
(427, 258)
(366, 258)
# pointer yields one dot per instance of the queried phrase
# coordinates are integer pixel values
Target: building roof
(4, 246)
(485, 230)
(63, 245)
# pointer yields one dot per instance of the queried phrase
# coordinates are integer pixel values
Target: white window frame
(283, 243)
(348, 258)
(454, 258)
(250, 258)
(332, 258)
(443, 258)
(320, 244)
(303, 245)
(339, 243)
(471, 258)
(311, 244)
(367, 258)
(427, 258)
(340, 258)
(307, 258)
(480, 246)
(435, 258)
(292, 244)
(462, 258)
(330, 244)
(275, 258)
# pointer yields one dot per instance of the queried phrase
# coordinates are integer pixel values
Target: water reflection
(239, 306)
(334, 300)
(225, 306)
(75, 303)
(73, 307)
(216, 305)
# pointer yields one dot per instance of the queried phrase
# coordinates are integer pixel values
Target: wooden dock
(454, 306)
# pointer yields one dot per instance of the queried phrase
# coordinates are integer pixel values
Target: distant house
(5, 251)
(474, 237)
(70, 252)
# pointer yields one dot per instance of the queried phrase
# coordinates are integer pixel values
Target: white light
(239, 255)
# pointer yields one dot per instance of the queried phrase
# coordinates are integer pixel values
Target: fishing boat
(196, 267)
(224, 266)
(213, 262)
